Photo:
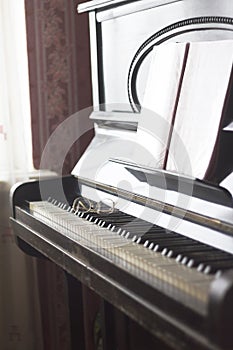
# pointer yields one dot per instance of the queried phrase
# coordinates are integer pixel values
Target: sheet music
(160, 99)
(201, 107)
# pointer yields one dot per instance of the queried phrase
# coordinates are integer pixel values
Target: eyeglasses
(88, 206)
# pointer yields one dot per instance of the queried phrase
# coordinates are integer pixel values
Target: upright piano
(157, 245)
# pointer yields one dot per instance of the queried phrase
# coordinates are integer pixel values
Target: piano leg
(140, 339)
(108, 326)
(92, 325)
(75, 304)
(122, 333)
(121, 330)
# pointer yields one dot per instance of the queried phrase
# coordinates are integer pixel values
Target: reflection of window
(15, 124)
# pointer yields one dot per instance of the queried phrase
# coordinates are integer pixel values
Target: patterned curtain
(59, 69)
(60, 85)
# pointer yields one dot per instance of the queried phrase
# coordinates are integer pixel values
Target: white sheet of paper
(159, 99)
(200, 108)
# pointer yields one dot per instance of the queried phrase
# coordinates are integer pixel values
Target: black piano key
(134, 226)
(195, 259)
(160, 236)
(122, 220)
(168, 249)
(198, 247)
(213, 255)
(179, 253)
(209, 258)
(220, 265)
(170, 242)
(186, 252)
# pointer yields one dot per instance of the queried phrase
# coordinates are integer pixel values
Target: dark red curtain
(60, 85)
(59, 70)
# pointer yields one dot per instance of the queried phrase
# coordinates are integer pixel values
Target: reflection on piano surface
(156, 245)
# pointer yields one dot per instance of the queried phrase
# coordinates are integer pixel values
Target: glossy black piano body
(162, 251)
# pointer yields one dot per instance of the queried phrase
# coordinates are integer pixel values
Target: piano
(156, 245)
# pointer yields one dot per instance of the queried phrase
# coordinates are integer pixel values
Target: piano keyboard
(176, 265)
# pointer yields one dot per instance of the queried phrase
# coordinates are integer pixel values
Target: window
(15, 121)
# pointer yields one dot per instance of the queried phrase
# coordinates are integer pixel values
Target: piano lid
(106, 4)
(99, 4)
